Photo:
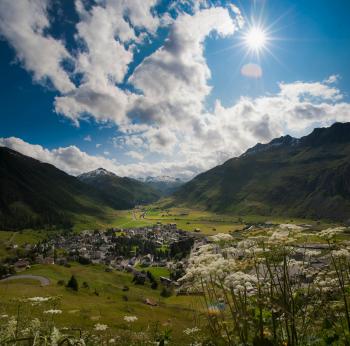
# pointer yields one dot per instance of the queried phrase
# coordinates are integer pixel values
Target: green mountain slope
(121, 192)
(36, 194)
(307, 177)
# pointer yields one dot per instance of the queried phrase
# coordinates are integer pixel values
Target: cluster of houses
(101, 247)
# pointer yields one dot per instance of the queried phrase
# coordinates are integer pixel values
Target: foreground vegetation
(254, 283)
(103, 298)
(274, 289)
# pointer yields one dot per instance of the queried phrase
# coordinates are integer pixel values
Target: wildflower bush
(273, 289)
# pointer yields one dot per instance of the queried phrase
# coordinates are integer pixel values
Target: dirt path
(43, 280)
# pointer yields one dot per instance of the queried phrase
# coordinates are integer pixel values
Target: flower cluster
(331, 233)
(39, 299)
(189, 331)
(130, 319)
(53, 312)
(242, 283)
(100, 327)
(221, 237)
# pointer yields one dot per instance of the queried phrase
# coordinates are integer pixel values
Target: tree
(73, 283)
(166, 292)
(150, 276)
(139, 279)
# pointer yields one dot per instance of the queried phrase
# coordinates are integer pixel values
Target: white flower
(280, 236)
(130, 318)
(246, 244)
(55, 336)
(11, 327)
(326, 284)
(100, 327)
(342, 253)
(53, 312)
(291, 226)
(38, 299)
(221, 237)
(190, 331)
(241, 282)
(35, 324)
(330, 233)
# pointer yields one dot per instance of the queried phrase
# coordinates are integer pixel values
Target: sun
(256, 39)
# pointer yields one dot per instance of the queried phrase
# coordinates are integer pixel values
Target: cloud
(174, 80)
(88, 138)
(70, 159)
(251, 71)
(107, 31)
(74, 161)
(332, 79)
(135, 155)
(24, 25)
(163, 109)
(296, 90)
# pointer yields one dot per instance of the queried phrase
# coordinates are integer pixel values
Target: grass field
(10, 238)
(207, 222)
(84, 308)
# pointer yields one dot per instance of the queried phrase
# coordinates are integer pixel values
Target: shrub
(73, 283)
(154, 285)
(83, 260)
(166, 292)
(139, 279)
(61, 282)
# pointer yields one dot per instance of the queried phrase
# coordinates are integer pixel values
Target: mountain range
(165, 184)
(307, 177)
(120, 192)
(36, 194)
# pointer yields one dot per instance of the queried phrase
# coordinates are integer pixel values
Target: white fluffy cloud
(106, 32)
(74, 161)
(226, 132)
(23, 24)
(174, 80)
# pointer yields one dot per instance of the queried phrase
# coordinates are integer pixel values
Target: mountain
(121, 192)
(166, 185)
(307, 177)
(36, 194)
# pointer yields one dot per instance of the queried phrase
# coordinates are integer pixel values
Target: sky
(160, 87)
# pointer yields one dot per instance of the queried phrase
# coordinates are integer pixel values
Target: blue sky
(166, 98)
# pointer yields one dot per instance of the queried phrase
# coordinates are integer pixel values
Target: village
(131, 249)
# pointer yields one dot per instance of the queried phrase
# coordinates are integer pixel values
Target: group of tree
(140, 278)
(137, 246)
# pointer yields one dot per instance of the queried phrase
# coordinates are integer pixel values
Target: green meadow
(106, 299)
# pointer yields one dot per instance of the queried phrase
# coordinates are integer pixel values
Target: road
(43, 280)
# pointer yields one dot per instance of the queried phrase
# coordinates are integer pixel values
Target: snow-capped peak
(97, 172)
(161, 178)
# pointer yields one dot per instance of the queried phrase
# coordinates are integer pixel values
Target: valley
(141, 261)
(107, 292)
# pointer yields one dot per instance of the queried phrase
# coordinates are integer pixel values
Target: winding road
(43, 280)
